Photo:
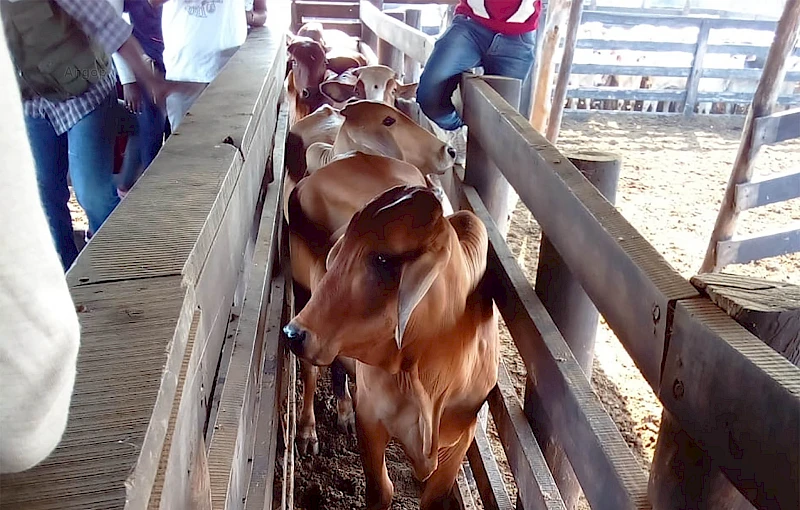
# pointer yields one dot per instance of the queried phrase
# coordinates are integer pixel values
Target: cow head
(378, 273)
(309, 66)
(374, 83)
(378, 128)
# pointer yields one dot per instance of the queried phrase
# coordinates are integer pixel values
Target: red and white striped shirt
(509, 17)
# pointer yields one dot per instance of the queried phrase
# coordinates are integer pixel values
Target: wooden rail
(154, 289)
(689, 95)
(673, 334)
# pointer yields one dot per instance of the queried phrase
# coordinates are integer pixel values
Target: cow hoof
(307, 444)
(346, 417)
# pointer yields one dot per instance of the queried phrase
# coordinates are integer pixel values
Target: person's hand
(133, 97)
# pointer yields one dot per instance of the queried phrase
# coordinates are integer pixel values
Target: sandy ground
(673, 178)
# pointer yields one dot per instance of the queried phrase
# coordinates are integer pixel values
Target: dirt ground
(674, 174)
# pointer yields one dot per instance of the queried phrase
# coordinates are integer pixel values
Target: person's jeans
(464, 45)
(145, 137)
(86, 151)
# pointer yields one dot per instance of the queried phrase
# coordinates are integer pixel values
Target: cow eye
(387, 267)
(388, 121)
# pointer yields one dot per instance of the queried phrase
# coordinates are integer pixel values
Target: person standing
(495, 34)
(61, 53)
(199, 38)
(150, 120)
(39, 330)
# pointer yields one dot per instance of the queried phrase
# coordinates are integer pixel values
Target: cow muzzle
(295, 338)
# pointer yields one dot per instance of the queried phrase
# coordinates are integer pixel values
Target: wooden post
(573, 313)
(367, 35)
(766, 94)
(697, 68)
(555, 24)
(573, 24)
(683, 475)
(388, 55)
(411, 68)
(496, 193)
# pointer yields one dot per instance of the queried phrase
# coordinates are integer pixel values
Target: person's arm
(100, 22)
(39, 331)
(258, 16)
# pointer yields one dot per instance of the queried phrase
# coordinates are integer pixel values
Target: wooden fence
(174, 401)
(736, 397)
(687, 97)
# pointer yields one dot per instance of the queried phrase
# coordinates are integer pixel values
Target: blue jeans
(464, 45)
(86, 152)
(145, 137)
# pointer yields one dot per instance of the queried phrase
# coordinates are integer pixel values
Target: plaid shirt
(102, 24)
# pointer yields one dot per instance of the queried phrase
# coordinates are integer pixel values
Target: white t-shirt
(200, 36)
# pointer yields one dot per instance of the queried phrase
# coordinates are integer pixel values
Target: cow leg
(438, 493)
(307, 441)
(345, 415)
(372, 440)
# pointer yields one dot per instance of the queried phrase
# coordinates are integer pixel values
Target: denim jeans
(145, 137)
(464, 45)
(86, 152)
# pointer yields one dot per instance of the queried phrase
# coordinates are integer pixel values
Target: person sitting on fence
(199, 38)
(39, 330)
(150, 121)
(61, 53)
(256, 13)
(495, 34)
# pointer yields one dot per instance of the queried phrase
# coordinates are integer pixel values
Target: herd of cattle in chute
(388, 281)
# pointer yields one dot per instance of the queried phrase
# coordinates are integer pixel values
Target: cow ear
(408, 91)
(336, 91)
(337, 247)
(415, 281)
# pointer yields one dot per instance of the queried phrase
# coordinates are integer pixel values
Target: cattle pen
(185, 396)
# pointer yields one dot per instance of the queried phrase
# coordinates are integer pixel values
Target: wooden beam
(778, 127)
(316, 9)
(609, 474)
(536, 488)
(233, 437)
(388, 55)
(693, 82)
(411, 42)
(676, 72)
(411, 68)
(554, 26)
(770, 310)
(560, 95)
(496, 193)
(749, 195)
(737, 399)
(628, 280)
(744, 249)
(487, 474)
(462, 492)
(775, 68)
(573, 313)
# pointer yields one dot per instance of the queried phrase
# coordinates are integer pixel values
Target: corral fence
(684, 92)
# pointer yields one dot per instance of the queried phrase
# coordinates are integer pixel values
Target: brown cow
(375, 83)
(378, 128)
(362, 126)
(402, 295)
(313, 60)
